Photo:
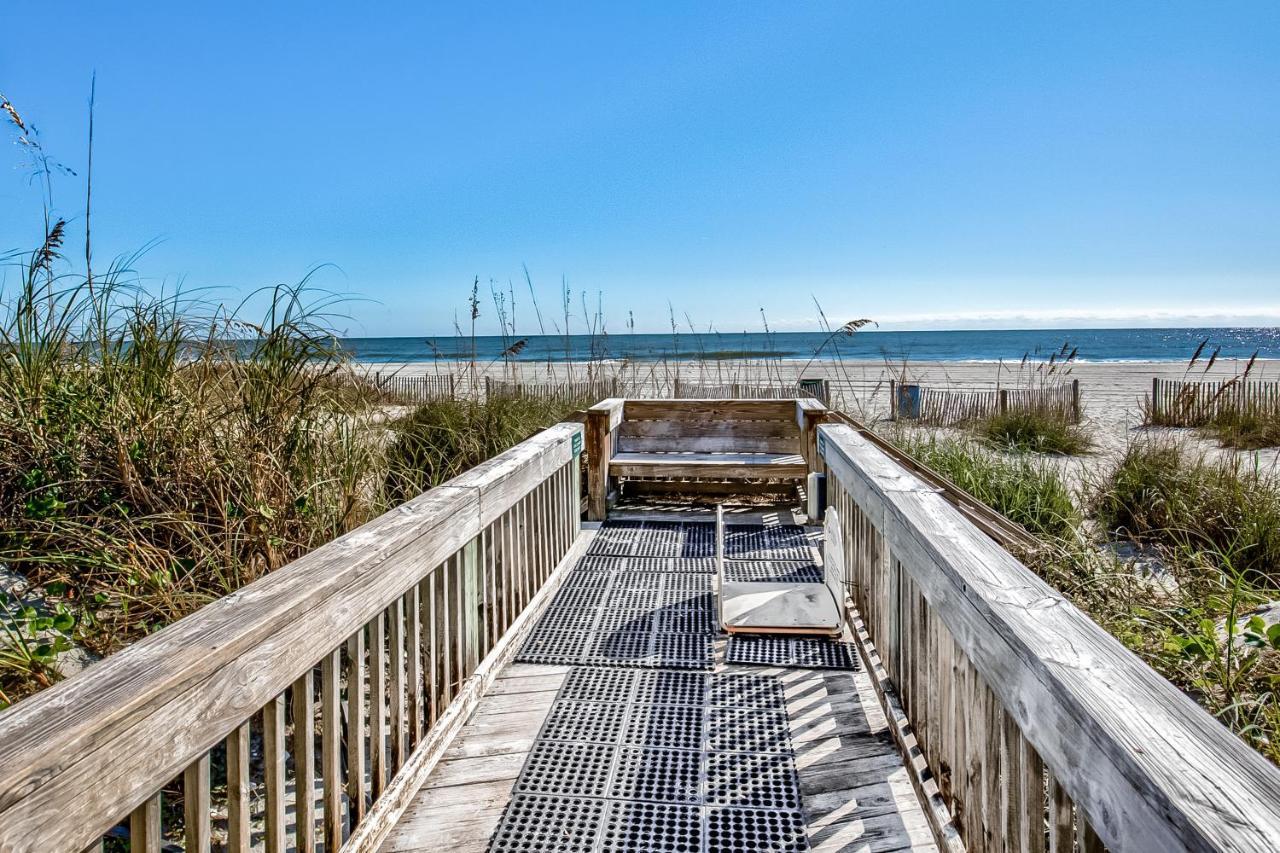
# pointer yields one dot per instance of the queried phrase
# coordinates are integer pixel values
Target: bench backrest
(709, 426)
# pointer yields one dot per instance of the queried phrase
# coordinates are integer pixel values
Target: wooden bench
(716, 440)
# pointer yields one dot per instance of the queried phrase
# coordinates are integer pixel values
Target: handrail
(409, 602)
(1011, 535)
(1012, 691)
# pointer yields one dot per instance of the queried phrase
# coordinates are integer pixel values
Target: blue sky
(927, 165)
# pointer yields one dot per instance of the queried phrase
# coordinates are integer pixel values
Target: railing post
(601, 420)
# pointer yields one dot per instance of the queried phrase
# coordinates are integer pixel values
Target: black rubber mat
(747, 730)
(746, 690)
(705, 565)
(793, 652)
(771, 571)
(640, 750)
(658, 775)
(744, 779)
(654, 539)
(732, 830)
(778, 542)
(549, 822)
(661, 687)
(671, 726)
(584, 722)
(558, 767)
(659, 760)
(601, 684)
(659, 827)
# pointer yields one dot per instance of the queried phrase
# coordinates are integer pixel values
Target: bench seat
(709, 465)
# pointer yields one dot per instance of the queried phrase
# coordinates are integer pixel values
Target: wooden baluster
(975, 743)
(195, 805)
(1032, 774)
(433, 647)
(396, 692)
(446, 633)
(357, 787)
(1061, 833)
(472, 608)
(273, 759)
(378, 704)
(1010, 740)
(992, 799)
(413, 613)
(304, 762)
(1087, 840)
(238, 787)
(144, 827)
(331, 748)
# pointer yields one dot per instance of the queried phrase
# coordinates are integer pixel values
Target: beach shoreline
(1111, 393)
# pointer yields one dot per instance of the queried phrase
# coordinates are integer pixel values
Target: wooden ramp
(854, 792)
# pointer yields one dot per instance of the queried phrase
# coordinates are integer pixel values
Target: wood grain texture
(727, 465)
(711, 410)
(1148, 767)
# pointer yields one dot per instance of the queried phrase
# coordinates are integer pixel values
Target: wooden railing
(385, 629)
(1037, 729)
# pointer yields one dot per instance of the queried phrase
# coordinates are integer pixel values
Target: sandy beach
(1111, 393)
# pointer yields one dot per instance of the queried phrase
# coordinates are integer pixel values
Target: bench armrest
(809, 413)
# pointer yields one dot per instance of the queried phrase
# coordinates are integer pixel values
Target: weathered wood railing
(1039, 729)
(392, 620)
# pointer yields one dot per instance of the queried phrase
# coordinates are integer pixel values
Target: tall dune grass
(153, 458)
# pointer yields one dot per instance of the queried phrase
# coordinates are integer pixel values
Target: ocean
(1107, 345)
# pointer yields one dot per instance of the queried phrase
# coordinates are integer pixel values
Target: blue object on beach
(908, 403)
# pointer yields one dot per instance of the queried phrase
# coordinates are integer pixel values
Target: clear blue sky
(953, 164)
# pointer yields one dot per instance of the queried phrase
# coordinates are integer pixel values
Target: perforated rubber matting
(771, 571)
(793, 652)
(619, 609)
(645, 747)
(659, 760)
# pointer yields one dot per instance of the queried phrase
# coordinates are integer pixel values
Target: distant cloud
(1263, 316)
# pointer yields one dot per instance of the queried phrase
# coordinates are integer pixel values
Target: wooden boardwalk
(377, 671)
(855, 790)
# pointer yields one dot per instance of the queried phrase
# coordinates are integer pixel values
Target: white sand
(1111, 392)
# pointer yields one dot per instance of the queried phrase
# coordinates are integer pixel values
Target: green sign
(577, 443)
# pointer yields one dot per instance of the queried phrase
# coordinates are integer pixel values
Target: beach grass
(1162, 492)
(1034, 431)
(1024, 489)
(441, 439)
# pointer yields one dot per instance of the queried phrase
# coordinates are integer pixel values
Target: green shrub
(1160, 493)
(1245, 431)
(1027, 491)
(1035, 431)
(442, 439)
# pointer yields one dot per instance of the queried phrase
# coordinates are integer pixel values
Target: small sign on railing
(577, 444)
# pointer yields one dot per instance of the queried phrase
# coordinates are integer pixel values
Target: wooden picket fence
(1177, 403)
(948, 407)
(816, 388)
(418, 389)
(593, 389)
